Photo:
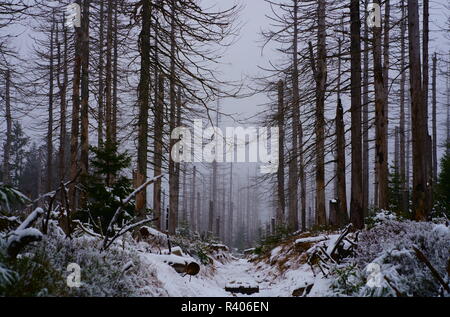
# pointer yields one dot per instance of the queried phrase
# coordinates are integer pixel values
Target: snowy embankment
(391, 258)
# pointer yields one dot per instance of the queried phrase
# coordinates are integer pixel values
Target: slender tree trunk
(386, 63)
(419, 125)
(404, 202)
(7, 147)
(230, 206)
(425, 88)
(62, 85)
(75, 125)
(177, 164)
(280, 175)
(172, 96)
(50, 112)
(114, 76)
(365, 119)
(356, 204)
(143, 103)
(84, 139)
(380, 121)
(193, 196)
(158, 149)
(434, 103)
(293, 165)
(342, 216)
(101, 88)
(108, 69)
(320, 116)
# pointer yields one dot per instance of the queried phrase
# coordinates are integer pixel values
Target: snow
(311, 239)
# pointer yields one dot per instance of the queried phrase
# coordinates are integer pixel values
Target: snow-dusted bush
(389, 246)
(42, 270)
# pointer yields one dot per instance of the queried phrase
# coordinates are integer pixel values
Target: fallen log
(180, 264)
(242, 288)
(302, 291)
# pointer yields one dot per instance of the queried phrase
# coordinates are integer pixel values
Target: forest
(206, 148)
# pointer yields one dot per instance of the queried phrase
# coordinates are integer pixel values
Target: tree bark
(434, 121)
(342, 216)
(158, 149)
(50, 112)
(320, 117)
(8, 117)
(418, 124)
(193, 196)
(75, 125)
(380, 121)
(172, 95)
(293, 165)
(143, 103)
(365, 120)
(356, 204)
(280, 175)
(100, 76)
(405, 200)
(84, 139)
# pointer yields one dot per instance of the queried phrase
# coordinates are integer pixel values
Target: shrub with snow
(390, 246)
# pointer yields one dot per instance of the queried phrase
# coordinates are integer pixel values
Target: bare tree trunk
(62, 85)
(101, 88)
(293, 165)
(380, 121)
(84, 139)
(50, 112)
(177, 164)
(280, 175)
(434, 103)
(184, 215)
(404, 203)
(425, 87)
(114, 77)
(396, 149)
(419, 125)
(75, 126)
(172, 96)
(342, 216)
(143, 102)
(386, 63)
(193, 196)
(365, 123)
(158, 148)
(320, 117)
(356, 204)
(7, 147)
(108, 79)
(230, 206)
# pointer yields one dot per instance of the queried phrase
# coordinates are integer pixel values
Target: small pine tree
(106, 187)
(443, 186)
(395, 191)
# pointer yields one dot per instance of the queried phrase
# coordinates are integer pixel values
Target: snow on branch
(24, 235)
(127, 200)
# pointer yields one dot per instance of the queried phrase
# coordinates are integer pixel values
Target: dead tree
(84, 137)
(419, 126)
(380, 120)
(356, 204)
(280, 174)
(143, 104)
(8, 117)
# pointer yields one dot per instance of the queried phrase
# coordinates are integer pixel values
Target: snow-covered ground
(237, 272)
